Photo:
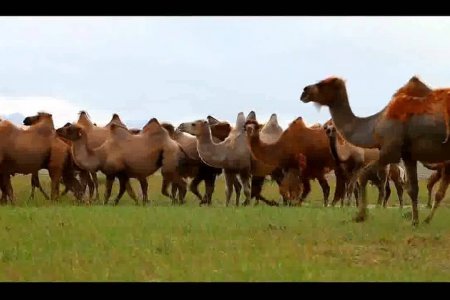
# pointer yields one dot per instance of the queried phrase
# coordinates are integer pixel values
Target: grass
(40, 241)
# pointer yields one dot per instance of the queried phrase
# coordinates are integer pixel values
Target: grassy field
(40, 241)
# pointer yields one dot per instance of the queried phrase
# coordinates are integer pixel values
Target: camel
(352, 161)
(126, 155)
(409, 128)
(439, 172)
(194, 168)
(296, 139)
(269, 132)
(28, 151)
(96, 136)
(233, 154)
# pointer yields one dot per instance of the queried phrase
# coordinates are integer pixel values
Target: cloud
(62, 110)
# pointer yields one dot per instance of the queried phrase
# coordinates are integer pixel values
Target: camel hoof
(359, 218)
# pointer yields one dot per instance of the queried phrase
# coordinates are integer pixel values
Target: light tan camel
(128, 155)
(194, 167)
(233, 154)
(96, 136)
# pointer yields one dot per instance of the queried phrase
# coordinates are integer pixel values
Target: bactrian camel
(233, 154)
(28, 151)
(409, 128)
(299, 139)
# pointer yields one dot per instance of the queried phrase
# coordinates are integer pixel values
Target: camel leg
(399, 188)
(193, 187)
(306, 189)
(95, 182)
(413, 187)
(237, 188)
(182, 188)
(443, 185)
(434, 178)
(173, 191)
(256, 188)
(144, 188)
(85, 181)
(387, 193)
(363, 179)
(325, 189)
(447, 128)
(230, 182)
(245, 178)
(36, 183)
(122, 188)
(7, 189)
(55, 177)
(130, 191)
(164, 185)
(339, 191)
(108, 188)
(209, 188)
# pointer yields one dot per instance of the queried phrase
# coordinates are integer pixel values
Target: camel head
(324, 92)
(134, 131)
(40, 117)
(329, 128)
(195, 128)
(71, 132)
(252, 128)
(414, 87)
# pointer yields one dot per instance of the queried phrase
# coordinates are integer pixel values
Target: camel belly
(424, 136)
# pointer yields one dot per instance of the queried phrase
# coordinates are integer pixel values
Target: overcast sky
(184, 68)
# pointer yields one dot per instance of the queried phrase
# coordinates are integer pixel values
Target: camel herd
(414, 126)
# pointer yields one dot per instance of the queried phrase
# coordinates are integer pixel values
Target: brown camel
(296, 139)
(96, 136)
(409, 128)
(233, 154)
(126, 155)
(28, 151)
(194, 167)
(269, 132)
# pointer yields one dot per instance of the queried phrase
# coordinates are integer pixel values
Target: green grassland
(43, 241)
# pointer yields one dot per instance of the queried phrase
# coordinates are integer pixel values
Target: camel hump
(240, 120)
(251, 116)
(7, 127)
(212, 120)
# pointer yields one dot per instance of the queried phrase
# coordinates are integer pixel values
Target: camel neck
(358, 131)
(84, 157)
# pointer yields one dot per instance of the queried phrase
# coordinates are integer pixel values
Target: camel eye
(193, 124)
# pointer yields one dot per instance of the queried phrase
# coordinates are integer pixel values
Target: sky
(180, 69)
